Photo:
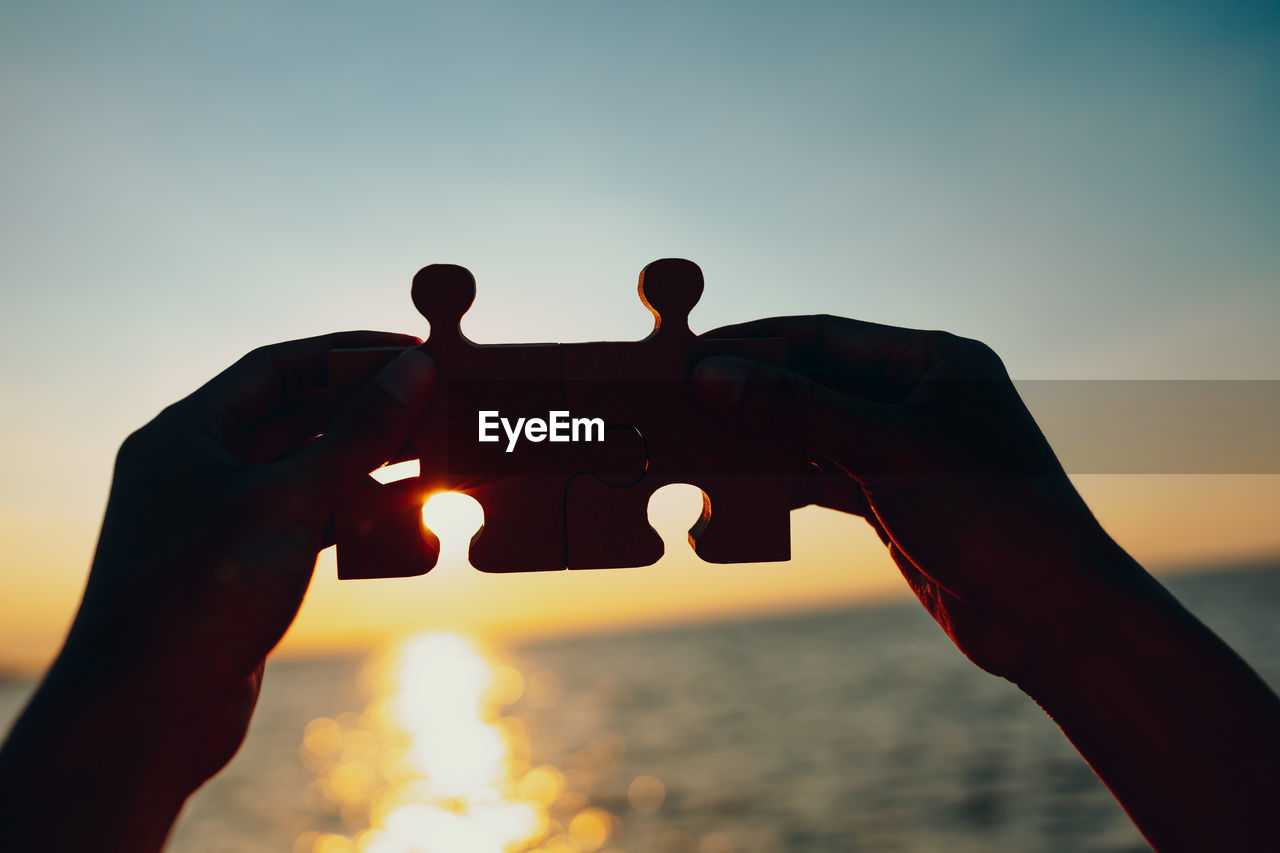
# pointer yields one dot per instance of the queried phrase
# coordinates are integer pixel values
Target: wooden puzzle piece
(520, 488)
(645, 384)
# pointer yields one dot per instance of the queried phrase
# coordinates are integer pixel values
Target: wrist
(1097, 613)
(1180, 729)
(177, 722)
(112, 746)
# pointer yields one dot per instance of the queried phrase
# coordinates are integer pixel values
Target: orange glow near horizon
(1168, 522)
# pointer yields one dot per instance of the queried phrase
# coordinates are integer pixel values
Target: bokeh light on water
(436, 764)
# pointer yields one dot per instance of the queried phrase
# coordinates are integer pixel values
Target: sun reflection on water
(436, 765)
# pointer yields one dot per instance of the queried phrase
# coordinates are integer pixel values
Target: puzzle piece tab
(746, 516)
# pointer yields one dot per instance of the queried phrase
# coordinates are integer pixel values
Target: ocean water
(836, 731)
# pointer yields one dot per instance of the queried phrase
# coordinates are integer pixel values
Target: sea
(853, 730)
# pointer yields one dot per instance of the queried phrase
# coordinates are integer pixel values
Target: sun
(452, 515)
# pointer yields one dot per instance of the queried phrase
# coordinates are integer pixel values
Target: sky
(1090, 187)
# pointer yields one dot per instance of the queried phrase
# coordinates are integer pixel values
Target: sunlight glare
(396, 471)
(433, 765)
(455, 748)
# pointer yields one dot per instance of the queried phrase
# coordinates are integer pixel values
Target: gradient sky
(1092, 188)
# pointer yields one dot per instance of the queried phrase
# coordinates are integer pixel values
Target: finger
(825, 485)
(287, 428)
(839, 351)
(370, 429)
(242, 395)
(789, 407)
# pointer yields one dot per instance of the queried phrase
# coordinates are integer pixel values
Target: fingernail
(410, 377)
(720, 381)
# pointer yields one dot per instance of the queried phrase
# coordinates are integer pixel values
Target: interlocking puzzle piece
(645, 384)
(378, 532)
(587, 505)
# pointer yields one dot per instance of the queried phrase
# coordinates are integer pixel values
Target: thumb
(372, 426)
(787, 405)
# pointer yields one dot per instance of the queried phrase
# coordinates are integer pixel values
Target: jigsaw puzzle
(578, 504)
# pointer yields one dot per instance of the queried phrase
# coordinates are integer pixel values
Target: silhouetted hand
(217, 510)
(924, 434)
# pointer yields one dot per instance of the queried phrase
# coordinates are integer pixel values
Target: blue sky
(1041, 176)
